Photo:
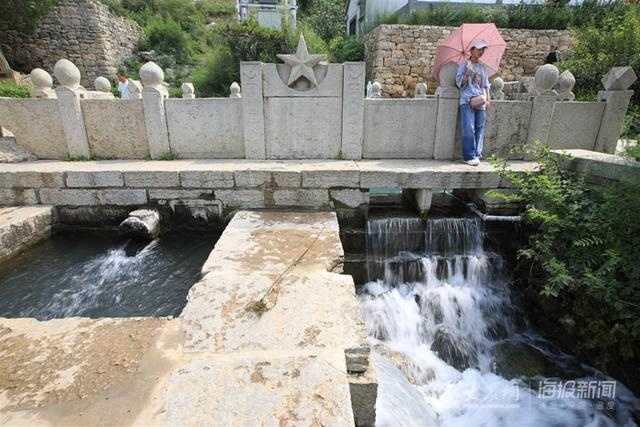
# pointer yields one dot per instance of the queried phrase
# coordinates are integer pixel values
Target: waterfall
(444, 326)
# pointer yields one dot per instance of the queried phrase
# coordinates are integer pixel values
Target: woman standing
(473, 81)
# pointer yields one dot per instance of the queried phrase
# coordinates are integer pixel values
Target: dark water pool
(91, 275)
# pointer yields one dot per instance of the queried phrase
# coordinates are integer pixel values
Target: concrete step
(21, 227)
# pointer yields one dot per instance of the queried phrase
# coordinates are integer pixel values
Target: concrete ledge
(23, 227)
(602, 165)
(259, 389)
(268, 242)
(271, 285)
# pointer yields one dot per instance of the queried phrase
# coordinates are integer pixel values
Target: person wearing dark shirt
(553, 56)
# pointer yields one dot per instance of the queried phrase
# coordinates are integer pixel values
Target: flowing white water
(102, 276)
(445, 328)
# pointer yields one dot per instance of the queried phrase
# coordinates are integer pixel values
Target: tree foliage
(326, 18)
(24, 15)
(583, 255)
(613, 42)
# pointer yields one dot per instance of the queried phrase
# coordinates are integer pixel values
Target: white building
(269, 13)
(362, 13)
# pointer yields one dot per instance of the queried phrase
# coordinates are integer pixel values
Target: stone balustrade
(282, 112)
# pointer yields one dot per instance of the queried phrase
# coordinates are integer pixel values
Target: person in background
(473, 81)
(553, 56)
(123, 85)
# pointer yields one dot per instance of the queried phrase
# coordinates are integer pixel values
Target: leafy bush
(24, 15)
(580, 258)
(167, 37)
(525, 15)
(236, 42)
(326, 19)
(616, 42)
(12, 90)
(631, 125)
(315, 43)
(211, 79)
(346, 48)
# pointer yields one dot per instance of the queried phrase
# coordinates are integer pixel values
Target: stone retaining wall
(399, 56)
(84, 31)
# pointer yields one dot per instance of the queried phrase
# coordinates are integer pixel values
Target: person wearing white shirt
(123, 85)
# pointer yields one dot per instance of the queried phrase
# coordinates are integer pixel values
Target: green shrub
(236, 42)
(615, 43)
(213, 77)
(581, 259)
(12, 90)
(524, 15)
(346, 48)
(315, 43)
(167, 37)
(631, 124)
(325, 17)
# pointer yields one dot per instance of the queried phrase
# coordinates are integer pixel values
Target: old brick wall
(399, 56)
(82, 31)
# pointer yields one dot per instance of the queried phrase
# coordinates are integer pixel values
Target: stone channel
(271, 334)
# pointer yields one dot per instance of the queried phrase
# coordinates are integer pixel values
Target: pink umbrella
(456, 47)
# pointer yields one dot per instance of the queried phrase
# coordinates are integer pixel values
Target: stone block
(151, 179)
(254, 389)
(214, 128)
(541, 116)
(602, 165)
(364, 392)
(338, 177)
(155, 118)
(619, 78)
(382, 179)
(287, 178)
(116, 128)
(409, 123)
(94, 179)
(178, 194)
(283, 237)
(123, 197)
(73, 121)
(329, 82)
(352, 109)
(310, 198)
(37, 126)
(31, 179)
(252, 178)
(252, 110)
(303, 128)
(24, 226)
(616, 104)
(575, 125)
(241, 199)
(217, 307)
(507, 127)
(199, 213)
(18, 196)
(68, 197)
(206, 179)
(350, 197)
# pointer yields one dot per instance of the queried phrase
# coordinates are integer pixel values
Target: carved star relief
(302, 63)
